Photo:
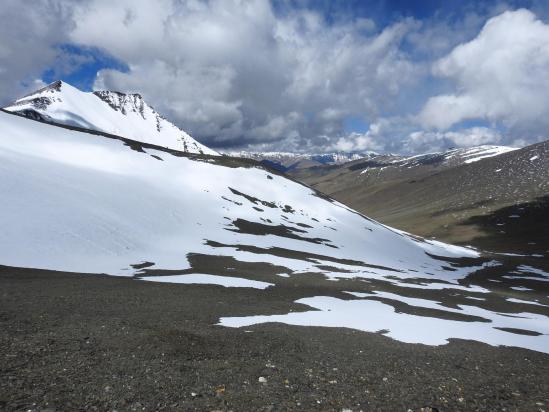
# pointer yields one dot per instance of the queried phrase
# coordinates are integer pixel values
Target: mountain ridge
(441, 195)
(123, 114)
(292, 162)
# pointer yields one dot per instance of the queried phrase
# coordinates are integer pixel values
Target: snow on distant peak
(452, 157)
(292, 160)
(126, 115)
(474, 154)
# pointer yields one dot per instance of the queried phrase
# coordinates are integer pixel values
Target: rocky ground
(92, 342)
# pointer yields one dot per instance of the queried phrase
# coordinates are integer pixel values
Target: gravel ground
(92, 342)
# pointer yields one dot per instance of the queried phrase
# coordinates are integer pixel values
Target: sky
(396, 76)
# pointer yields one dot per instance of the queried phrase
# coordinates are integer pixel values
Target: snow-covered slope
(453, 157)
(474, 154)
(80, 202)
(117, 113)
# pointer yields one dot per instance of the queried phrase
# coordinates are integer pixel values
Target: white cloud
(358, 142)
(383, 135)
(234, 72)
(500, 76)
(29, 34)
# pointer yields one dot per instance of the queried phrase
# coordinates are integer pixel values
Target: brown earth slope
(499, 202)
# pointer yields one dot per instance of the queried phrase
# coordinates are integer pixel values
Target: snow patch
(205, 279)
(375, 316)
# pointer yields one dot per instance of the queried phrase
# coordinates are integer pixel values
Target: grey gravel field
(94, 342)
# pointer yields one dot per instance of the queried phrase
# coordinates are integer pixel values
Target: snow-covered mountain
(97, 203)
(126, 115)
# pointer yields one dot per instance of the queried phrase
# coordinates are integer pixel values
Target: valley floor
(92, 342)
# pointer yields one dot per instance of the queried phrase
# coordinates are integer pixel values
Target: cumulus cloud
(500, 76)
(236, 73)
(29, 34)
(359, 142)
(381, 136)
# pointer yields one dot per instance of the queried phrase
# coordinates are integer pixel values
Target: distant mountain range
(291, 162)
(285, 161)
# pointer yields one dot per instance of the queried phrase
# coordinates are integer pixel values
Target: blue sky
(385, 12)
(297, 75)
(86, 63)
